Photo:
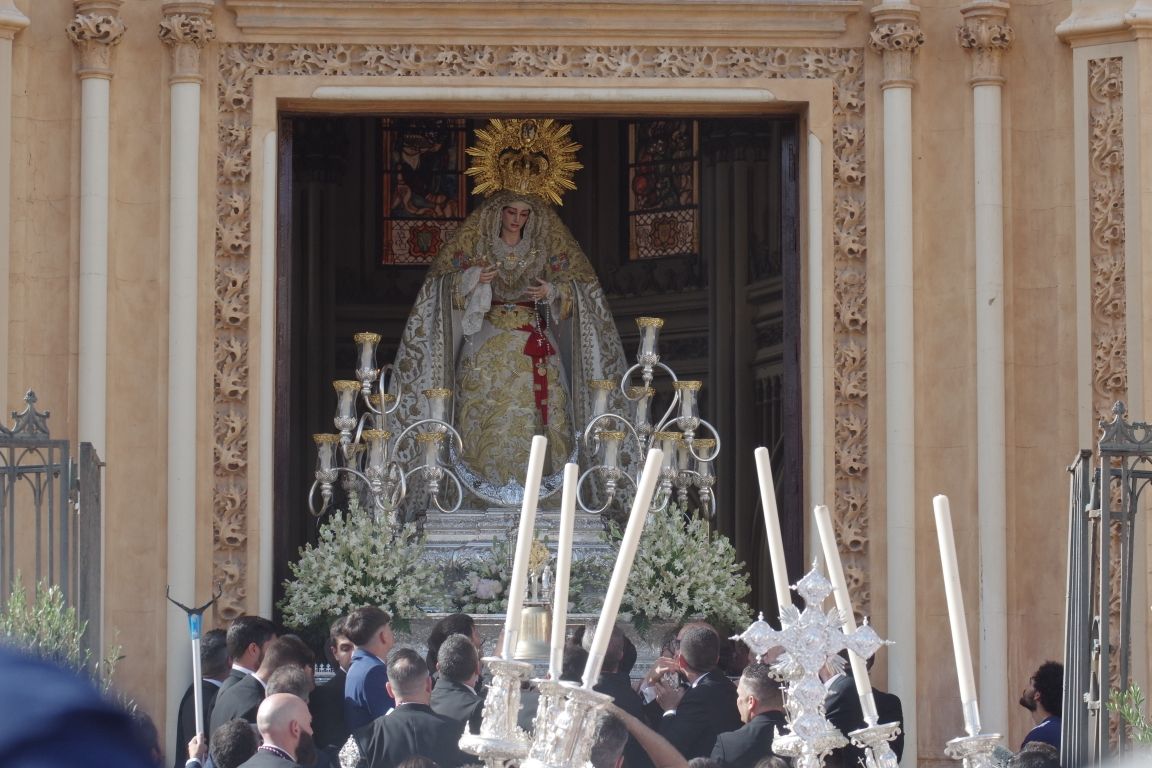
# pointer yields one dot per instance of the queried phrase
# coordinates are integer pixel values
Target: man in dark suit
(248, 638)
(411, 728)
(365, 689)
(327, 702)
(761, 708)
(243, 699)
(618, 685)
(454, 694)
(286, 728)
(695, 715)
(214, 671)
(842, 708)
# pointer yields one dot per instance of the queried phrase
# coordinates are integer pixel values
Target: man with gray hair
(454, 694)
(412, 728)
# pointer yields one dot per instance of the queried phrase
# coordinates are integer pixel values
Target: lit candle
(649, 333)
(437, 402)
(844, 605)
(772, 526)
(600, 390)
(523, 545)
(687, 390)
(611, 440)
(563, 569)
(642, 396)
(346, 392)
(367, 343)
(628, 546)
(956, 617)
(431, 441)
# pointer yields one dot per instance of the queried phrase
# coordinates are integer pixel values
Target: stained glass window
(425, 194)
(663, 188)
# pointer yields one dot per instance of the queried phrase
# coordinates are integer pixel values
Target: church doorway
(730, 294)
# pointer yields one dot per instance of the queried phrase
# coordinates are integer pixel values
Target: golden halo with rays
(530, 156)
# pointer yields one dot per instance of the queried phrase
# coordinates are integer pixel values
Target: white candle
(599, 402)
(844, 605)
(523, 545)
(772, 526)
(628, 545)
(956, 617)
(563, 570)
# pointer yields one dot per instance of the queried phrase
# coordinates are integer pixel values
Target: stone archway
(240, 64)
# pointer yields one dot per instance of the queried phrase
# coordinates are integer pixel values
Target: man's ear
(428, 684)
(680, 662)
(388, 687)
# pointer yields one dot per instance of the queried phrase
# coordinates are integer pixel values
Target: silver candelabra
(368, 450)
(687, 458)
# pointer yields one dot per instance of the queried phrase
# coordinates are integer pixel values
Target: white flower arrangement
(357, 562)
(478, 583)
(684, 569)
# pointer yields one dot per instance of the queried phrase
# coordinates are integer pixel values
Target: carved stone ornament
(986, 39)
(896, 41)
(240, 64)
(1107, 227)
(186, 34)
(94, 35)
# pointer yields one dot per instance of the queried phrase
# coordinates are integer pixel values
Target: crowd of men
(398, 706)
(388, 707)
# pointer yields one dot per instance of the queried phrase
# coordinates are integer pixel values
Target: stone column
(11, 22)
(985, 36)
(95, 30)
(186, 27)
(896, 36)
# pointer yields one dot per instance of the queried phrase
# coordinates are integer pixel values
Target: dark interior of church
(729, 290)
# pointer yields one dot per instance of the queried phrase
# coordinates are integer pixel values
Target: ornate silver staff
(811, 639)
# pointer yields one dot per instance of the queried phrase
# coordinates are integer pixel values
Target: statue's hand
(487, 275)
(539, 292)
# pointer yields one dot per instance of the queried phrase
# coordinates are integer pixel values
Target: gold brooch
(529, 156)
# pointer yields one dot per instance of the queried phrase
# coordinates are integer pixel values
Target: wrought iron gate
(1098, 621)
(50, 515)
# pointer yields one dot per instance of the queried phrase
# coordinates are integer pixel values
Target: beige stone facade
(1076, 282)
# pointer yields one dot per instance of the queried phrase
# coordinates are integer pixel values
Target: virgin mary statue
(511, 318)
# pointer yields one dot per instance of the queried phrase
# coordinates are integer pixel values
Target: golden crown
(529, 156)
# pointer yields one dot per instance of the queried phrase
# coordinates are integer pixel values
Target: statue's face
(513, 218)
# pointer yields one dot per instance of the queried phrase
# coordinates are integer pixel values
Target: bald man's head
(284, 721)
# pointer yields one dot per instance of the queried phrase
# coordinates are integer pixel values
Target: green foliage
(683, 569)
(49, 628)
(1129, 704)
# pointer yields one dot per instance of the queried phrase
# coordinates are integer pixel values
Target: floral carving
(1106, 254)
(239, 64)
(986, 37)
(896, 36)
(94, 35)
(1107, 223)
(186, 34)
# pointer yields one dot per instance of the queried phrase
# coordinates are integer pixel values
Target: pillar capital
(186, 28)
(95, 30)
(11, 20)
(896, 35)
(985, 34)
